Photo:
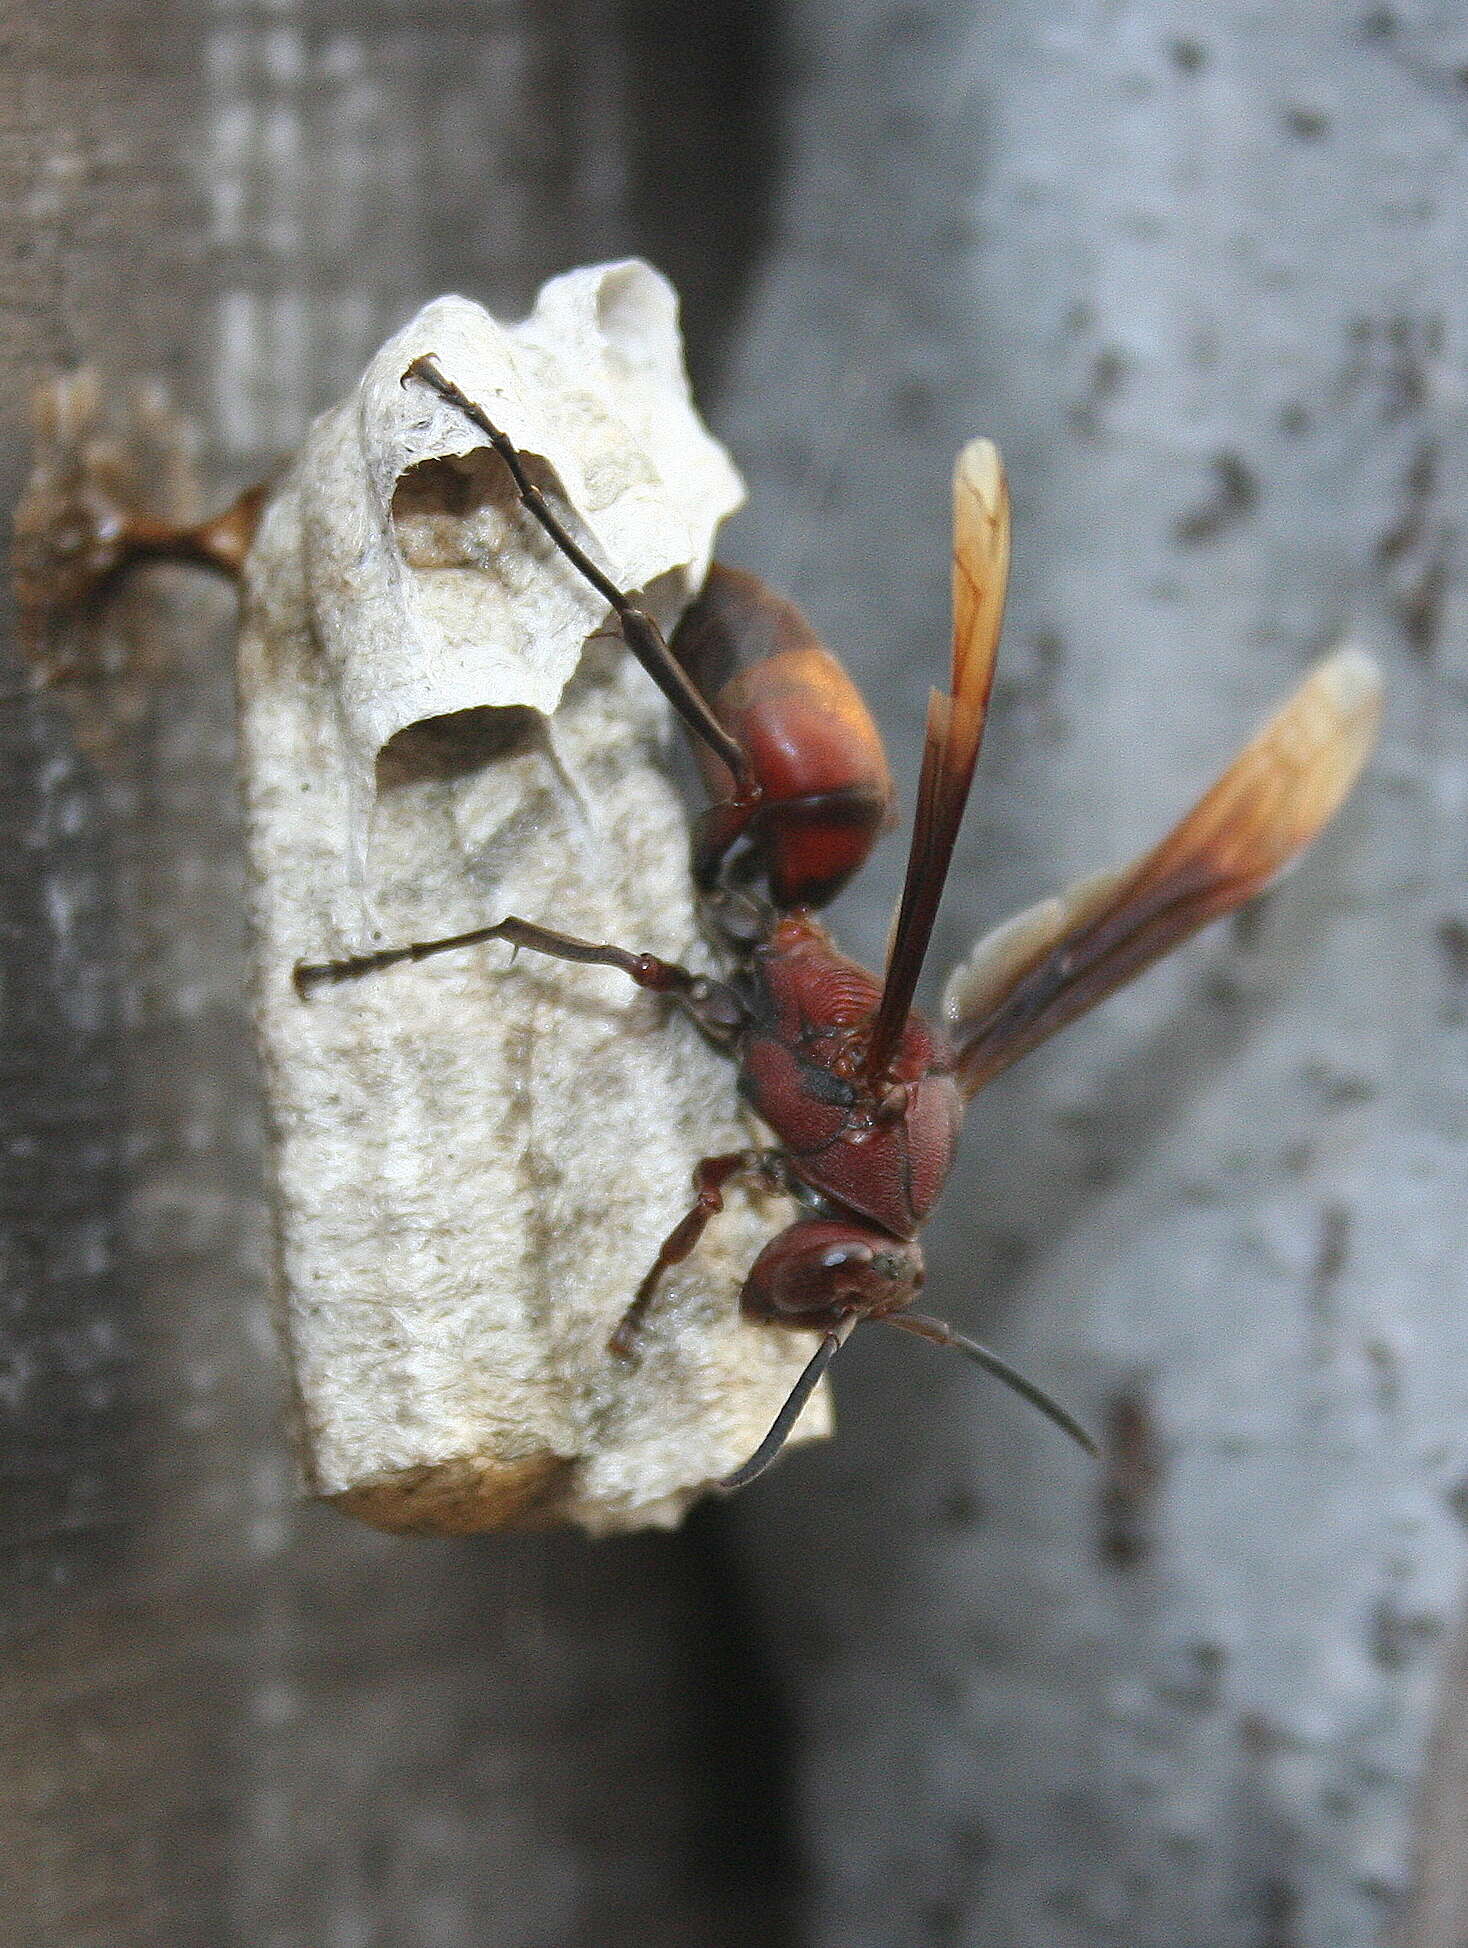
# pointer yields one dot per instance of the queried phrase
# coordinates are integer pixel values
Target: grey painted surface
(1199, 271)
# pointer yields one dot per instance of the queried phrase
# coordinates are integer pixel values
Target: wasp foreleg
(709, 1179)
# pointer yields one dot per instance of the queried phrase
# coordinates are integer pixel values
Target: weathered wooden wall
(1199, 270)
(230, 1719)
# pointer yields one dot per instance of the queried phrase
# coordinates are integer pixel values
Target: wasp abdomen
(808, 735)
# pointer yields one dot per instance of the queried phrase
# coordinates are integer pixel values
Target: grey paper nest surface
(474, 1160)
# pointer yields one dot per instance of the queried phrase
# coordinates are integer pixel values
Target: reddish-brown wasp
(864, 1097)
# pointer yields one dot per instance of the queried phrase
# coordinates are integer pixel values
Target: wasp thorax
(824, 1271)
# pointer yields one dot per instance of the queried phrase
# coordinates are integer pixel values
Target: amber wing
(1053, 962)
(955, 728)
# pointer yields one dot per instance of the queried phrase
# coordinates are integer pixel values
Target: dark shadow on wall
(705, 105)
(744, 1832)
(704, 101)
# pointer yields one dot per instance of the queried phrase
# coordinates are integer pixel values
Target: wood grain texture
(231, 1718)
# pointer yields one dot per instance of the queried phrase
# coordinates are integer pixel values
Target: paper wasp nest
(475, 1159)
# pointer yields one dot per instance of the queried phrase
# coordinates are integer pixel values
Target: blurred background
(1200, 270)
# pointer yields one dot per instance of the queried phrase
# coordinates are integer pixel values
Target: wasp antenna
(804, 1387)
(940, 1334)
(639, 631)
